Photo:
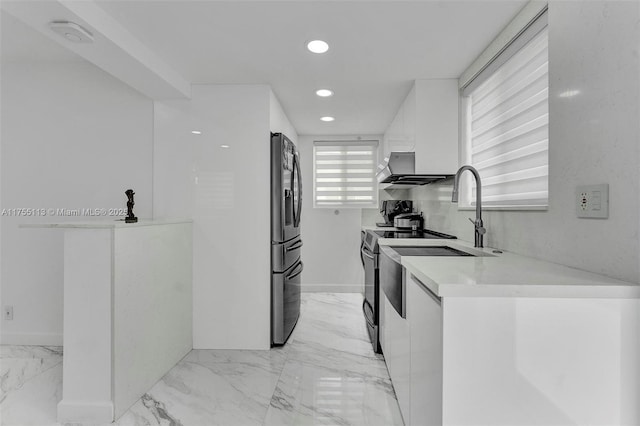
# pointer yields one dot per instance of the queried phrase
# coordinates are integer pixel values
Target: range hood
(400, 169)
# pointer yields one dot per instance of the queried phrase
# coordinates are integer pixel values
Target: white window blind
(508, 128)
(344, 173)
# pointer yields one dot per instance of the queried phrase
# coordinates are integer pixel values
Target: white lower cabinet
(397, 354)
(413, 352)
(425, 323)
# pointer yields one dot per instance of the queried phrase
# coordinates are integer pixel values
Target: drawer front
(285, 255)
(397, 355)
(391, 281)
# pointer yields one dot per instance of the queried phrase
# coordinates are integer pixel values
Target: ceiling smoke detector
(71, 31)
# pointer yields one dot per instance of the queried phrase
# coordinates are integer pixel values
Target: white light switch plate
(592, 201)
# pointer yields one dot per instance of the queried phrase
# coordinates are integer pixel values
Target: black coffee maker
(391, 208)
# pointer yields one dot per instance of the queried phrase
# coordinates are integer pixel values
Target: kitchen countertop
(101, 224)
(504, 274)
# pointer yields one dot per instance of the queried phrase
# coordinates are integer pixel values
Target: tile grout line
(21, 384)
(284, 364)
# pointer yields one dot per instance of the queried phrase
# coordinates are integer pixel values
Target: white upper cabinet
(393, 133)
(409, 121)
(427, 124)
(401, 133)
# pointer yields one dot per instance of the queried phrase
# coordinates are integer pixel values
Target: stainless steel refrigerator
(286, 263)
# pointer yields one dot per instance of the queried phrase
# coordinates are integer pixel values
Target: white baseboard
(92, 412)
(31, 339)
(332, 288)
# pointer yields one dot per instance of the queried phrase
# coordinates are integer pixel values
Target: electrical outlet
(8, 313)
(592, 201)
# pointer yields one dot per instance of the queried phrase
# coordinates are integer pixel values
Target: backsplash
(369, 217)
(440, 214)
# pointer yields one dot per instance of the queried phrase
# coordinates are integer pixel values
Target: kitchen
(147, 145)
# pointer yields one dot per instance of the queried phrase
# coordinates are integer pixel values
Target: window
(506, 116)
(344, 174)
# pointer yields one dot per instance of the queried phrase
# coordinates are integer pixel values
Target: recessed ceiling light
(324, 93)
(196, 132)
(317, 46)
(224, 146)
(327, 118)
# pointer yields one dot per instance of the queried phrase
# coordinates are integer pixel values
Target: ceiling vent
(71, 31)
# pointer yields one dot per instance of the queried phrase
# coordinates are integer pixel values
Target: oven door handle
(364, 252)
(293, 275)
(366, 318)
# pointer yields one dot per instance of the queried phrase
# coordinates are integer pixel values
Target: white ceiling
(20, 43)
(377, 49)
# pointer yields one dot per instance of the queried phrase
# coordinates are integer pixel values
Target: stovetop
(414, 234)
(371, 237)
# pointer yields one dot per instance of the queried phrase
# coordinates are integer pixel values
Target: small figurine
(130, 217)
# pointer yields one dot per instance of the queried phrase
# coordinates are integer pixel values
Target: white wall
(72, 137)
(594, 138)
(331, 251)
(278, 120)
(227, 193)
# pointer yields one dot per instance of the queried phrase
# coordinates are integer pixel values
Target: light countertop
(377, 228)
(504, 274)
(102, 224)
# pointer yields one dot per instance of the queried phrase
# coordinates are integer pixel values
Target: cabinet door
(394, 135)
(401, 133)
(409, 121)
(426, 354)
(397, 356)
(436, 125)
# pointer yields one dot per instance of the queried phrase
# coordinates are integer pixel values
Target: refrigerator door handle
(293, 275)
(296, 246)
(296, 166)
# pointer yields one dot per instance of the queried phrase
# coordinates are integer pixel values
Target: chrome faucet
(478, 225)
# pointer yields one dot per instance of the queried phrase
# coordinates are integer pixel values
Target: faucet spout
(478, 225)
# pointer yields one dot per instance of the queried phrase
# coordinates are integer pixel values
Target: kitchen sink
(430, 251)
(391, 271)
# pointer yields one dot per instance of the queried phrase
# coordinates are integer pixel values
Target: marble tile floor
(327, 374)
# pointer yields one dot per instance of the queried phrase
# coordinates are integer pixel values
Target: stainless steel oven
(370, 306)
